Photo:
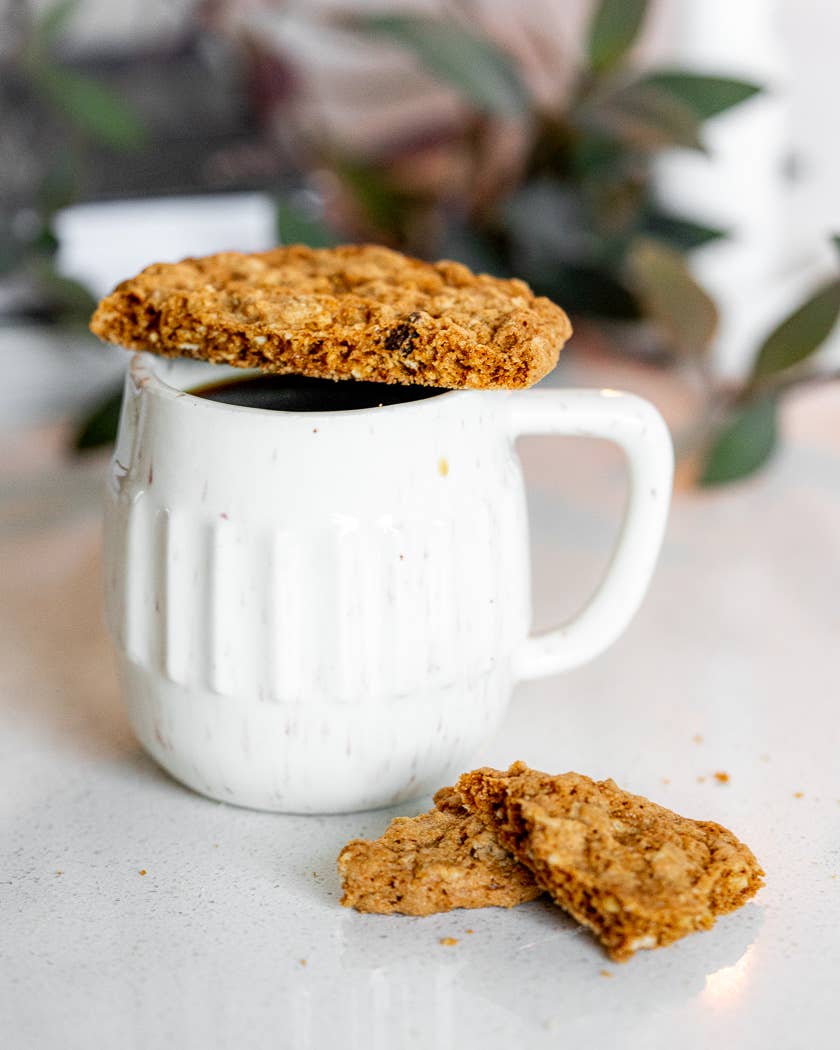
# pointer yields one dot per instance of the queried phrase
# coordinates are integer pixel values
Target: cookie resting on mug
(351, 312)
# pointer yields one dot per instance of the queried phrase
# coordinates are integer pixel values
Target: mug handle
(636, 426)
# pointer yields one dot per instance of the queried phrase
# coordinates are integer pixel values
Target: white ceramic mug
(319, 612)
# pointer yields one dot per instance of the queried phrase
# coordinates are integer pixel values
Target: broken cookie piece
(440, 860)
(637, 874)
(351, 312)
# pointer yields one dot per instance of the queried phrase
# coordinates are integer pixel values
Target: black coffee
(302, 394)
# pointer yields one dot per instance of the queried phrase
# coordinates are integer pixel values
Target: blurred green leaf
(70, 295)
(743, 444)
(800, 334)
(11, 253)
(613, 30)
(63, 300)
(835, 240)
(705, 95)
(476, 67)
(594, 154)
(384, 206)
(678, 232)
(100, 426)
(60, 185)
(672, 297)
(644, 117)
(93, 109)
(46, 242)
(295, 225)
(54, 21)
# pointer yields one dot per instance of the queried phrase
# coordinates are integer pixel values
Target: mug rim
(144, 373)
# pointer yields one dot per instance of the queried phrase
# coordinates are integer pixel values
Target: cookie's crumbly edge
(358, 311)
(435, 862)
(637, 874)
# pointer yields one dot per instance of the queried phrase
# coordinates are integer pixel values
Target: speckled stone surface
(234, 937)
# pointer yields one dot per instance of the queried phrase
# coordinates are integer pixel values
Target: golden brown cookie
(637, 874)
(357, 311)
(440, 860)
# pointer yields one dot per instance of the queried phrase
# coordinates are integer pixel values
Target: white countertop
(234, 937)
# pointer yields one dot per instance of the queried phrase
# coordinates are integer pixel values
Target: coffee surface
(293, 393)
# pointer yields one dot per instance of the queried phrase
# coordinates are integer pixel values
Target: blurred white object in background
(51, 373)
(767, 265)
(103, 243)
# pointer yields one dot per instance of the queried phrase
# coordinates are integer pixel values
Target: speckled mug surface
(319, 612)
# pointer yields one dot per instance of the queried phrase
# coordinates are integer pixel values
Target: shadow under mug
(326, 611)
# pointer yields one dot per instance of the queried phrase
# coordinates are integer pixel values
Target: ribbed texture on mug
(250, 612)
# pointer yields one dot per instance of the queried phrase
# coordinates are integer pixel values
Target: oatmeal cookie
(637, 874)
(356, 311)
(440, 860)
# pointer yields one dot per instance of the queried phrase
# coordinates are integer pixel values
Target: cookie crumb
(722, 778)
(443, 467)
(799, 794)
(665, 780)
(698, 738)
(303, 962)
(59, 873)
(701, 780)
(142, 871)
(606, 973)
(473, 931)
(449, 941)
